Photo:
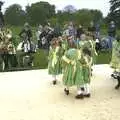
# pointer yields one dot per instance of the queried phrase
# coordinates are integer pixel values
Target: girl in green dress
(115, 62)
(86, 71)
(86, 47)
(73, 75)
(64, 43)
(54, 64)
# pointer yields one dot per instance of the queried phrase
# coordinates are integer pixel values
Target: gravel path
(29, 95)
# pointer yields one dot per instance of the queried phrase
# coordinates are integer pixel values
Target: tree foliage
(114, 11)
(40, 12)
(14, 15)
(83, 16)
(69, 8)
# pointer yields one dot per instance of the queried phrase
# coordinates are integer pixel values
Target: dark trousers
(98, 47)
(39, 44)
(5, 60)
(12, 60)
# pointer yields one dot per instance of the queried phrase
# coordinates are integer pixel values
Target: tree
(114, 11)
(40, 12)
(97, 16)
(14, 15)
(69, 9)
(85, 16)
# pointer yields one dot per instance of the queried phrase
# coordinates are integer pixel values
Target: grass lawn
(41, 58)
(104, 57)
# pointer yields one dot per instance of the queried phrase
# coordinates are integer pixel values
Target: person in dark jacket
(79, 31)
(111, 33)
(26, 35)
(92, 30)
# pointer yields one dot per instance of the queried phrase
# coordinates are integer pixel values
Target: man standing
(111, 33)
(57, 30)
(79, 32)
(38, 34)
(26, 35)
(91, 30)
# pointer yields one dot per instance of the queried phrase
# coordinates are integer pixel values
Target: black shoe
(91, 74)
(112, 75)
(66, 91)
(82, 88)
(81, 96)
(54, 82)
(117, 87)
(87, 95)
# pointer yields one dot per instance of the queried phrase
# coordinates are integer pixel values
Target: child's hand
(72, 62)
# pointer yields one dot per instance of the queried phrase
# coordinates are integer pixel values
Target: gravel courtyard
(30, 95)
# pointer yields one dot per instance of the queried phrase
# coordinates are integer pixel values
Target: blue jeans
(110, 42)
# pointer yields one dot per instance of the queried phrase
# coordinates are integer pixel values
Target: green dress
(87, 61)
(91, 46)
(93, 50)
(54, 64)
(72, 74)
(86, 68)
(115, 61)
(64, 46)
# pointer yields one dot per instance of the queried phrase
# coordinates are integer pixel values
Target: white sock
(87, 88)
(79, 92)
(54, 77)
(67, 88)
(82, 86)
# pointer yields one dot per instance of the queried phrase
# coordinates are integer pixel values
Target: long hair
(54, 42)
(87, 51)
(72, 44)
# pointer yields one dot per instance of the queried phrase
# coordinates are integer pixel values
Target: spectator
(38, 33)
(97, 31)
(57, 30)
(91, 30)
(26, 35)
(111, 33)
(79, 32)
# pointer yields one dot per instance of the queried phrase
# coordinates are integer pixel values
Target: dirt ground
(29, 95)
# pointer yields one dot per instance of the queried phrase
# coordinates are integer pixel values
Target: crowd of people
(8, 51)
(46, 33)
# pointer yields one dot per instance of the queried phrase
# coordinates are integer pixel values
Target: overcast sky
(102, 5)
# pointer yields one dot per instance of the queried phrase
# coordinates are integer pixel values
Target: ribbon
(55, 58)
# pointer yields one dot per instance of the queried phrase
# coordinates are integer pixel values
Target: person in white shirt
(38, 33)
